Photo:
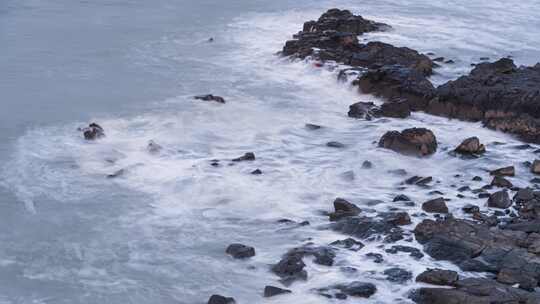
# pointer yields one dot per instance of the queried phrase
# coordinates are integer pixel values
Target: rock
(399, 82)
(477, 178)
(239, 251)
(414, 252)
(438, 277)
(415, 141)
(323, 255)
(502, 182)
(398, 108)
(93, 131)
(397, 275)
(217, 299)
(363, 110)
(117, 173)
(349, 243)
(501, 95)
(471, 145)
(271, 291)
(335, 144)
(535, 167)
(506, 171)
(477, 247)
(358, 289)
(376, 257)
(367, 165)
(343, 208)
(499, 199)
(210, 97)
(369, 228)
(469, 208)
(246, 157)
(290, 268)
(153, 147)
(437, 205)
(256, 172)
(475, 291)
(401, 197)
(396, 218)
(418, 180)
(312, 126)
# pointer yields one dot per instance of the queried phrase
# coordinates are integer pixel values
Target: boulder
(415, 141)
(93, 131)
(470, 146)
(499, 181)
(499, 199)
(438, 277)
(363, 110)
(343, 208)
(239, 251)
(437, 205)
(505, 171)
(218, 299)
(271, 291)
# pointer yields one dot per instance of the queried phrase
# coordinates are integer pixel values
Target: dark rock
(343, 208)
(153, 147)
(117, 173)
(437, 205)
(499, 199)
(376, 257)
(270, 291)
(348, 243)
(398, 108)
(414, 252)
(500, 94)
(464, 188)
(469, 208)
(499, 181)
(367, 165)
(290, 268)
(396, 218)
(398, 172)
(210, 97)
(358, 289)
(93, 131)
(217, 299)
(256, 172)
(239, 251)
(438, 277)
(363, 110)
(397, 275)
(369, 228)
(401, 197)
(335, 144)
(477, 178)
(312, 126)
(399, 82)
(475, 291)
(415, 141)
(248, 156)
(506, 171)
(471, 145)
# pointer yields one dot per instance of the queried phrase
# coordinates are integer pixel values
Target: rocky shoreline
(498, 234)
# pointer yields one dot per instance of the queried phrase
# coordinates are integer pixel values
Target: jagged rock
(415, 141)
(239, 251)
(290, 268)
(271, 291)
(506, 171)
(475, 291)
(471, 145)
(343, 208)
(248, 156)
(369, 228)
(93, 131)
(500, 94)
(210, 97)
(437, 205)
(502, 182)
(217, 299)
(363, 110)
(397, 275)
(401, 197)
(438, 277)
(499, 199)
(399, 82)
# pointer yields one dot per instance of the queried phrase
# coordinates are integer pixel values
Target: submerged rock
(415, 141)
(93, 131)
(397, 275)
(271, 291)
(246, 157)
(240, 251)
(210, 97)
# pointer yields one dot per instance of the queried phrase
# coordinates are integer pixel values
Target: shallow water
(158, 233)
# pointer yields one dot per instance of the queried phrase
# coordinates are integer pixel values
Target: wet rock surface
(438, 277)
(414, 141)
(272, 291)
(470, 146)
(240, 251)
(93, 131)
(218, 299)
